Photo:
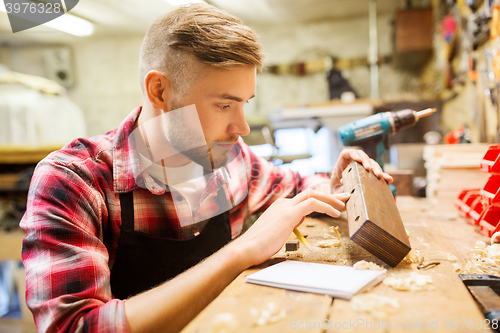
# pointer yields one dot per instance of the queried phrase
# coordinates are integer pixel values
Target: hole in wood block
(352, 191)
(356, 219)
(349, 170)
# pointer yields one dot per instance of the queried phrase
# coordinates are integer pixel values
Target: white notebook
(337, 281)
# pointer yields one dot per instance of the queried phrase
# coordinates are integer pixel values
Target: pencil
(301, 238)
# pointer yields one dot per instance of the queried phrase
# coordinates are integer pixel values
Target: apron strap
(127, 211)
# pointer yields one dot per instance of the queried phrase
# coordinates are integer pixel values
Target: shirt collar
(126, 160)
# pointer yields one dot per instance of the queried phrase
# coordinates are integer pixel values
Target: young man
(139, 229)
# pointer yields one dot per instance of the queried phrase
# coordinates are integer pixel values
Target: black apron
(143, 261)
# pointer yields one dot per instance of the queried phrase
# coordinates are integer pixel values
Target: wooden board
(374, 220)
(431, 230)
(240, 298)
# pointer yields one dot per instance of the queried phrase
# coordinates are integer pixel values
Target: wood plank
(239, 298)
(301, 308)
(431, 230)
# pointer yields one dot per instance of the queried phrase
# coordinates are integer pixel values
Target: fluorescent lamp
(175, 3)
(66, 23)
(72, 25)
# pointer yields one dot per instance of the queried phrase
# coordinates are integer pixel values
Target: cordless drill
(372, 133)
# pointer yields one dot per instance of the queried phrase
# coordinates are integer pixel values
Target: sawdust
(331, 239)
(330, 258)
(224, 323)
(268, 316)
(296, 254)
(412, 257)
(409, 282)
(367, 265)
(329, 243)
(377, 305)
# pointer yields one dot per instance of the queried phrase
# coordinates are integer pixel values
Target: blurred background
(329, 63)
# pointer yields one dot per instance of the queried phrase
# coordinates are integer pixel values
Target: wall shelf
(24, 154)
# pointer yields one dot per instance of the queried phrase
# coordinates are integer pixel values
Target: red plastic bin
(490, 192)
(458, 201)
(466, 204)
(490, 162)
(478, 207)
(490, 219)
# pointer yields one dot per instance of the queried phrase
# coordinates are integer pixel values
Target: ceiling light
(176, 3)
(72, 25)
(66, 23)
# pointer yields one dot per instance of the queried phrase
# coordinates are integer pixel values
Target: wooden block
(374, 220)
(292, 245)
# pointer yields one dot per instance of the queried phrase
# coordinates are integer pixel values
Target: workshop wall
(107, 85)
(346, 38)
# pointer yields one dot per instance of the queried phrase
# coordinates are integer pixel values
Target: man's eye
(224, 107)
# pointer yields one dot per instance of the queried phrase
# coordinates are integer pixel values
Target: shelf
(12, 243)
(24, 154)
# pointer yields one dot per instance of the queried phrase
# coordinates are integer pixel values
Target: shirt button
(178, 198)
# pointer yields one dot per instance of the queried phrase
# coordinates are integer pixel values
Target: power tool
(372, 133)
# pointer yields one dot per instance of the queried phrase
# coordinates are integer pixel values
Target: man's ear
(158, 89)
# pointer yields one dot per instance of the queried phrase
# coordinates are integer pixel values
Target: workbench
(447, 307)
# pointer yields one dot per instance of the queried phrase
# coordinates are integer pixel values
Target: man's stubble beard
(208, 156)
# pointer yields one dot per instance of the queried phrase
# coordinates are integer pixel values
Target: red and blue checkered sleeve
(267, 182)
(66, 261)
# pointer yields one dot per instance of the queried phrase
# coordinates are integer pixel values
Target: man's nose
(240, 126)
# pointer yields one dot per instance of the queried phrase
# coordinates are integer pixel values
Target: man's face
(219, 96)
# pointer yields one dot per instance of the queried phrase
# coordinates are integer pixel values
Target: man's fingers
(334, 200)
(310, 205)
(388, 177)
(370, 165)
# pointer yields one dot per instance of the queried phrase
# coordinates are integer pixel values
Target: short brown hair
(199, 32)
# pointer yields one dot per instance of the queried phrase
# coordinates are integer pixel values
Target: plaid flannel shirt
(72, 223)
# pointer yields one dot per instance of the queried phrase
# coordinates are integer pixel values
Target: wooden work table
(447, 306)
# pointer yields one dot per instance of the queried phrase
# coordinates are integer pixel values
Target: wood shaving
(482, 260)
(332, 238)
(495, 238)
(412, 257)
(335, 231)
(377, 305)
(224, 323)
(268, 316)
(367, 265)
(295, 254)
(409, 282)
(440, 255)
(329, 243)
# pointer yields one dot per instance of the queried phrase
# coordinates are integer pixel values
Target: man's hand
(268, 234)
(348, 155)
